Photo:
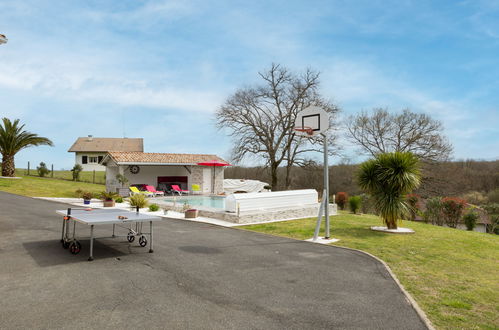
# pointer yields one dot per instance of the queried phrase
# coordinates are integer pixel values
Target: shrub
(341, 199)
(107, 195)
(493, 196)
(475, 198)
(186, 207)
(87, 195)
(413, 201)
(76, 172)
(366, 203)
(121, 179)
(452, 208)
(354, 203)
(433, 212)
(119, 199)
(42, 169)
(153, 207)
(493, 212)
(470, 220)
(138, 200)
(78, 193)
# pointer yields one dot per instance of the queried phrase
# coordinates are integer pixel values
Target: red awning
(214, 163)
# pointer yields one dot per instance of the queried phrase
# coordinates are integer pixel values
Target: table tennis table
(132, 221)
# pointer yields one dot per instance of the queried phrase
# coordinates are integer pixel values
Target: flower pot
(190, 214)
(109, 203)
(86, 201)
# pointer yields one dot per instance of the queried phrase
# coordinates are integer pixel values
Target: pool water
(208, 201)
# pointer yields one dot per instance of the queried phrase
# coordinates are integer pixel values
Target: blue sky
(159, 69)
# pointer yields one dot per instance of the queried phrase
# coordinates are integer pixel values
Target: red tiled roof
(161, 158)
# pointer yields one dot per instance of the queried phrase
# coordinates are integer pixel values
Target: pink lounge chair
(176, 188)
(154, 191)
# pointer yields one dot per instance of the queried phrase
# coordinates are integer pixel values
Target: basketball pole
(326, 185)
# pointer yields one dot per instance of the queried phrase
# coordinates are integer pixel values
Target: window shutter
(100, 159)
(84, 159)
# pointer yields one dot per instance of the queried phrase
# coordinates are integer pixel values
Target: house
(90, 151)
(163, 169)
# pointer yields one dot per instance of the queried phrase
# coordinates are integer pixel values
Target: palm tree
(389, 178)
(12, 140)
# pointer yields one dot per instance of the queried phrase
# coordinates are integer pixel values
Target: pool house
(164, 169)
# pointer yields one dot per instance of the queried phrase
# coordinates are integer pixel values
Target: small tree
(42, 169)
(121, 179)
(493, 212)
(341, 199)
(354, 202)
(433, 212)
(388, 178)
(452, 209)
(76, 172)
(470, 220)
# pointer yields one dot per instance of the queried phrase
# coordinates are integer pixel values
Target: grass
(452, 274)
(46, 187)
(85, 176)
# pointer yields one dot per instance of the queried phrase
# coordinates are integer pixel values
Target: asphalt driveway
(199, 277)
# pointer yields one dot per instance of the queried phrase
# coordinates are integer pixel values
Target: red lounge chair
(154, 191)
(176, 188)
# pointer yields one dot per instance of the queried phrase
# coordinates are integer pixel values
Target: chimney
(90, 138)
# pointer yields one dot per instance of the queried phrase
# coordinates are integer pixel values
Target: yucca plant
(389, 178)
(12, 140)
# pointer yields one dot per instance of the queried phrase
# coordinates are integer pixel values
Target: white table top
(107, 216)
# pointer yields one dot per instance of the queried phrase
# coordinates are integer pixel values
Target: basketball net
(305, 129)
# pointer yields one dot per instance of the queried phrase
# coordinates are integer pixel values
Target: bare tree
(382, 132)
(261, 119)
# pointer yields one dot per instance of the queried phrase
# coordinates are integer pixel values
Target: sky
(160, 69)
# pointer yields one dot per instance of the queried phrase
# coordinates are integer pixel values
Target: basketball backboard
(311, 121)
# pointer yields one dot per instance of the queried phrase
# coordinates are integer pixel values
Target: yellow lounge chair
(134, 191)
(196, 189)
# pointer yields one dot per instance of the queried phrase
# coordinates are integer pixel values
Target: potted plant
(87, 196)
(123, 191)
(188, 212)
(108, 198)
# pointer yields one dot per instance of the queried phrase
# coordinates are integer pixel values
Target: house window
(93, 160)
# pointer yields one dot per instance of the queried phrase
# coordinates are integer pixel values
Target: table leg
(63, 226)
(150, 238)
(91, 243)
(113, 229)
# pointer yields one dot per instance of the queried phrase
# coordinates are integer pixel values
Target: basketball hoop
(305, 130)
(3, 39)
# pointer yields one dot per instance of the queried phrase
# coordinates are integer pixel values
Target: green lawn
(85, 176)
(452, 274)
(46, 187)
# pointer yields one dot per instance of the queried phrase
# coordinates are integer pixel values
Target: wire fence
(97, 177)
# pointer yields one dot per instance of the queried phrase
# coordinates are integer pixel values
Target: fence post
(28, 168)
(93, 179)
(52, 172)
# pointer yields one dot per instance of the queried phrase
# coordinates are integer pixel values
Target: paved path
(200, 277)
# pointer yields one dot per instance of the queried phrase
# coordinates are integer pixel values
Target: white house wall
(90, 167)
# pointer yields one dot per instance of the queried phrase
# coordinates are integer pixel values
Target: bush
(470, 220)
(475, 198)
(452, 208)
(341, 199)
(433, 212)
(413, 201)
(76, 172)
(186, 207)
(138, 200)
(119, 199)
(366, 203)
(42, 169)
(78, 193)
(87, 195)
(107, 195)
(154, 207)
(493, 212)
(493, 196)
(121, 179)
(354, 203)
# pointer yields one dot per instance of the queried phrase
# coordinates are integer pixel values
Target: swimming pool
(207, 201)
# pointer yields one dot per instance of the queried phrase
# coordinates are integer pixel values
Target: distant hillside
(442, 179)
